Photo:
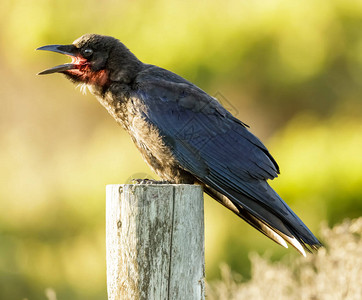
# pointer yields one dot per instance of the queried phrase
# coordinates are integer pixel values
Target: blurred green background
(292, 70)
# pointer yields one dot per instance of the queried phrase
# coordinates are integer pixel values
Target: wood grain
(155, 242)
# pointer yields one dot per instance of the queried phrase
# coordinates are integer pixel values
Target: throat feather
(99, 78)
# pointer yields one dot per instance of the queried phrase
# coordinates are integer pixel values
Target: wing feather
(219, 150)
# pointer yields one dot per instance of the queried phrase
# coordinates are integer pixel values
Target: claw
(149, 181)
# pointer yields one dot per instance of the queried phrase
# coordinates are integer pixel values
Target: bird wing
(217, 148)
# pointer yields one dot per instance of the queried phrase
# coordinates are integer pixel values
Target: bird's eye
(87, 52)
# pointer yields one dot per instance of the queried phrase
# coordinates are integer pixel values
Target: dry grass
(335, 272)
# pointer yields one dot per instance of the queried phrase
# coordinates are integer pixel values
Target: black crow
(185, 135)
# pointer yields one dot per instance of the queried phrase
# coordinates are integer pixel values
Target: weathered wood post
(155, 242)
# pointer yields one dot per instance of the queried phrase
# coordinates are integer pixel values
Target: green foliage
(290, 69)
(325, 154)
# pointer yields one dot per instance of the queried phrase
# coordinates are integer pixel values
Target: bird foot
(149, 181)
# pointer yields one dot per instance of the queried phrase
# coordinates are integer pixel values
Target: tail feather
(268, 222)
(262, 227)
(247, 217)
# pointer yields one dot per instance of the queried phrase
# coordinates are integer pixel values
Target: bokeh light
(291, 70)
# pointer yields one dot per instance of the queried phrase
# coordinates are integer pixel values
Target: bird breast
(153, 149)
(127, 112)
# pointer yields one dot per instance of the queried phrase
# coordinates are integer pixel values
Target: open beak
(69, 50)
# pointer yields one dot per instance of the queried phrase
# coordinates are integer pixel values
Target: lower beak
(69, 50)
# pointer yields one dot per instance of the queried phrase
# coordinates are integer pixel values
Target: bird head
(96, 59)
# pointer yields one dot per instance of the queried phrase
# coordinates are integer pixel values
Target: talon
(149, 181)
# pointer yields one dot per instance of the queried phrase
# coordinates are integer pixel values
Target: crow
(185, 135)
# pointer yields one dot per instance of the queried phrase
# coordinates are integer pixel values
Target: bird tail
(269, 223)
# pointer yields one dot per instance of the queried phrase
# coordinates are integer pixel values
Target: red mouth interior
(85, 74)
(79, 62)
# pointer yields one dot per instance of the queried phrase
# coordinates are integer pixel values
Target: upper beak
(69, 50)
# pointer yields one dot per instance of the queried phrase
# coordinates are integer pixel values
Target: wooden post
(155, 242)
